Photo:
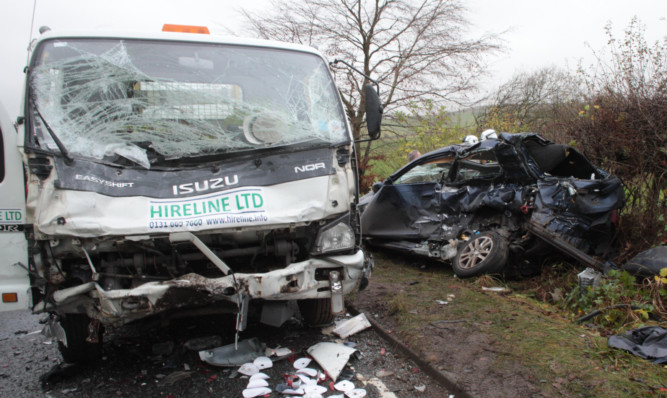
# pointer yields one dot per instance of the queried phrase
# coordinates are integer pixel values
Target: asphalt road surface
(154, 361)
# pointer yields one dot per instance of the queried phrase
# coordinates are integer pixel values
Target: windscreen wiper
(61, 147)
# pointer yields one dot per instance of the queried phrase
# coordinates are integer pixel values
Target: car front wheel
(484, 253)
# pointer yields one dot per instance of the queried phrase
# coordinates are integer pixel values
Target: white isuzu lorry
(175, 173)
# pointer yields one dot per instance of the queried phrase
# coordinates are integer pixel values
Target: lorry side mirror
(373, 112)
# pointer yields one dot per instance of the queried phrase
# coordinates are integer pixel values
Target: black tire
(316, 312)
(78, 350)
(484, 253)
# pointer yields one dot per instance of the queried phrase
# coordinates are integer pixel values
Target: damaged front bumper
(304, 280)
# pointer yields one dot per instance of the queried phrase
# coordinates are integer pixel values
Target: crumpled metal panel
(578, 208)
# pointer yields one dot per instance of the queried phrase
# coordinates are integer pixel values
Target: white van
(174, 173)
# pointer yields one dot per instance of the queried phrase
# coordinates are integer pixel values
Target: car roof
(463, 149)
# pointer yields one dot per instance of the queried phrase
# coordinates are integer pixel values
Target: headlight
(334, 237)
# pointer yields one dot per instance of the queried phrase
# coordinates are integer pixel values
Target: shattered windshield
(148, 101)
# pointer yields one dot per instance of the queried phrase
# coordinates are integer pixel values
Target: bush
(616, 114)
(623, 301)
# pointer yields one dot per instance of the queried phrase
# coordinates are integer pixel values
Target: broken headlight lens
(334, 237)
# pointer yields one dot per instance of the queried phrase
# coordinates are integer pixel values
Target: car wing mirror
(376, 187)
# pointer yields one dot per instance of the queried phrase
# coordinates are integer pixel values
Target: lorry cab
(175, 173)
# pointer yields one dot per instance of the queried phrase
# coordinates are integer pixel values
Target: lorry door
(14, 280)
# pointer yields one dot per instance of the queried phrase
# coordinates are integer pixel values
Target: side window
(478, 166)
(2, 157)
(430, 172)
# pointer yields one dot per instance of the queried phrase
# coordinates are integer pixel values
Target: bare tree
(415, 49)
(530, 101)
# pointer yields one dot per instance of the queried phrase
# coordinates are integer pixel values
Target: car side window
(480, 165)
(429, 172)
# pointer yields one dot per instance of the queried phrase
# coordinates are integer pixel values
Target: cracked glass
(140, 102)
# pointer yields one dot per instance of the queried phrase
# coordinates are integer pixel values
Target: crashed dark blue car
(495, 206)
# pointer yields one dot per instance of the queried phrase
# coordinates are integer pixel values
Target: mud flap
(242, 316)
(55, 330)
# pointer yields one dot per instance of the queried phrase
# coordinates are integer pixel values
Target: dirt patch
(459, 348)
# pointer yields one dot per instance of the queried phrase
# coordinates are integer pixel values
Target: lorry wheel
(78, 350)
(316, 311)
(484, 253)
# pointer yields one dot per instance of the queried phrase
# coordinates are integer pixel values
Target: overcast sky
(541, 32)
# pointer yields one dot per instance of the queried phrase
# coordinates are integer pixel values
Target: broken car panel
(166, 172)
(471, 204)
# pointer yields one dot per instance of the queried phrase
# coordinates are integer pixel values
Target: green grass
(573, 360)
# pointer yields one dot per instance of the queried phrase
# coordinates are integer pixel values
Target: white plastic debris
(248, 369)
(259, 375)
(420, 388)
(314, 389)
(307, 371)
(278, 352)
(331, 357)
(351, 326)
(256, 392)
(356, 393)
(306, 380)
(441, 302)
(293, 391)
(256, 383)
(344, 386)
(301, 363)
(263, 363)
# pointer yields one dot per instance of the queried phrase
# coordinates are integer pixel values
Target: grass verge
(562, 357)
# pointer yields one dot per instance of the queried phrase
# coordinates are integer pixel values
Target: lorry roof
(175, 36)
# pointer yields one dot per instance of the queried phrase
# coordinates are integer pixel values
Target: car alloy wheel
(475, 252)
(485, 253)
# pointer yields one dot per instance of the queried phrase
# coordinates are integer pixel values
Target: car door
(474, 184)
(407, 206)
(14, 280)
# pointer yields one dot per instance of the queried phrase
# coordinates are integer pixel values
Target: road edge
(426, 367)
